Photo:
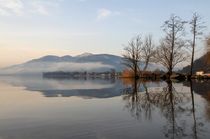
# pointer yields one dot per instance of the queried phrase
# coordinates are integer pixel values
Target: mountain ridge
(200, 64)
(84, 62)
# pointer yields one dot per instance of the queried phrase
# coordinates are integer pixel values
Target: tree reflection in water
(173, 105)
(202, 88)
(137, 104)
(193, 111)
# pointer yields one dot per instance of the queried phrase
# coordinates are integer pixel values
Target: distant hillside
(84, 62)
(202, 63)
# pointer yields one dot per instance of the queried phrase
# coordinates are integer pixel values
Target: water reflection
(177, 107)
(137, 103)
(120, 109)
(203, 89)
(91, 88)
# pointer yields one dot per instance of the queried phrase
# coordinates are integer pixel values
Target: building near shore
(199, 73)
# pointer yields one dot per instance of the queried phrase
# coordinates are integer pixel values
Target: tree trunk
(135, 70)
(172, 53)
(193, 51)
(146, 64)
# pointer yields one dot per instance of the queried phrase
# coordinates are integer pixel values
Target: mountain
(200, 64)
(84, 62)
(84, 54)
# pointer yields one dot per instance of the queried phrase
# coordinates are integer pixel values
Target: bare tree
(208, 49)
(196, 30)
(132, 55)
(171, 49)
(208, 44)
(148, 50)
(163, 55)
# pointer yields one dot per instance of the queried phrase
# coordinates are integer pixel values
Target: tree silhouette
(136, 51)
(196, 30)
(148, 50)
(208, 50)
(132, 55)
(171, 50)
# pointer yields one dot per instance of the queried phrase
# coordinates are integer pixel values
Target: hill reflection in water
(81, 87)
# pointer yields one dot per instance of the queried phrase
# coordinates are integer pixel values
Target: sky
(33, 28)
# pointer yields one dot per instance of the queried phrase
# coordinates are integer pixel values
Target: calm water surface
(37, 108)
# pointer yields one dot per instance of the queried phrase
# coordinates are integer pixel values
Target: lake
(40, 108)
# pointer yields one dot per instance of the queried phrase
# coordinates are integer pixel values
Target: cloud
(105, 13)
(23, 7)
(9, 7)
(82, 0)
(3, 12)
(39, 7)
(45, 7)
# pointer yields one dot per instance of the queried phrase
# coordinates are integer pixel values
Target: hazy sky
(33, 28)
